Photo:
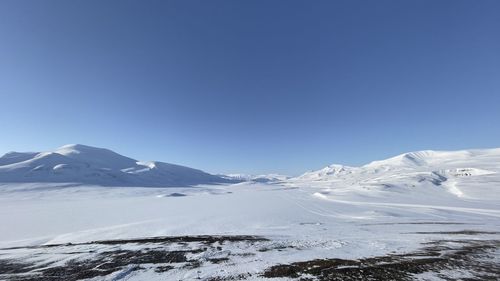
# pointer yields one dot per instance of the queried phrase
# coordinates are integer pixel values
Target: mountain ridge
(459, 173)
(415, 158)
(83, 164)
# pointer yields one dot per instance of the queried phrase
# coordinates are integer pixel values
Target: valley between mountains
(85, 213)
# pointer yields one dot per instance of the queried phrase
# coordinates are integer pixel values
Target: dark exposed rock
(437, 256)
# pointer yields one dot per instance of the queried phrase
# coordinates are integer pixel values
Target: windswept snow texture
(97, 166)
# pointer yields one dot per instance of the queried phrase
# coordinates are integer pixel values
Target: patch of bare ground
(461, 232)
(206, 239)
(107, 262)
(472, 256)
(476, 258)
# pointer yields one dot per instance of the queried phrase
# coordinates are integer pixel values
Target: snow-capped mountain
(265, 178)
(82, 164)
(330, 171)
(448, 169)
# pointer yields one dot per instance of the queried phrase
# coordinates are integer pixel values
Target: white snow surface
(336, 212)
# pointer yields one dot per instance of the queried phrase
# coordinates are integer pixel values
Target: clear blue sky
(250, 86)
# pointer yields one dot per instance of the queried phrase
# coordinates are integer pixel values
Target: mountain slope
(457, 173)
(98, 166)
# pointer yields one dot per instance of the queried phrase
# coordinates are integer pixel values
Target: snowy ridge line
(440, 173)
(83, 164)
(86, 165)
(439, 161)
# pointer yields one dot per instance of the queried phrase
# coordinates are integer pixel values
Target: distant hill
(83, 164)
(461, 173)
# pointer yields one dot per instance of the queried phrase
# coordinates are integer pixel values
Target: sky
(250, 86)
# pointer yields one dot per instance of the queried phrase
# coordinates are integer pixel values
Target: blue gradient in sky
(250, 86)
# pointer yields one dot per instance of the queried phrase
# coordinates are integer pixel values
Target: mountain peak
(79, 148)
(96, 156)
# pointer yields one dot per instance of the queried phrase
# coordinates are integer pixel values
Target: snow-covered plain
(390, 206)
